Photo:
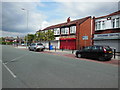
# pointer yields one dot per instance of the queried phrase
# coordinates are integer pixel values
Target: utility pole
(27, 14)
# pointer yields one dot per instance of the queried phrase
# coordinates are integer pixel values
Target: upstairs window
(57, 31)
(46, 31)
(103, 24)
(99, 25)
(67, 30)
(96, 26)
(117, 22)
(113, 23)
(73, 29)
(62, 30)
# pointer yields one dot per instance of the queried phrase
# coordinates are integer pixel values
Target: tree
(42, 36)
(39, 36)
(49, 35)
(2, 39)
(29, 38)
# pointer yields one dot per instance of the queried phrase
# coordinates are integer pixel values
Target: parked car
(23, 44)
(96, 52)
(36, 47)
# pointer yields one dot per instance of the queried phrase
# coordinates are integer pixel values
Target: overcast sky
(43, 14)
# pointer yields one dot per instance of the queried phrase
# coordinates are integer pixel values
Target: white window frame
(67, 30)
(113, 23)
(72, 29)
(117, 22)
(103, 25)
(46, 31)
(99, 25)
(62, 30)
(56, 31)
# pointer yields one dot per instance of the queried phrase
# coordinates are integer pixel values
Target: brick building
(72, 34)
(107, 30)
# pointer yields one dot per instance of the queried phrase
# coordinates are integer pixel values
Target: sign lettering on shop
(67, 37)
(107, 36)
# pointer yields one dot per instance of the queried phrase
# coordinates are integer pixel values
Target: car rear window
(96, 48)
(107, 47)
(39, 44)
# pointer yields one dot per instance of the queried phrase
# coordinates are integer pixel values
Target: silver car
(36, 47)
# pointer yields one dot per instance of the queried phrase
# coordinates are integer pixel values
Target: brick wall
(84, 29)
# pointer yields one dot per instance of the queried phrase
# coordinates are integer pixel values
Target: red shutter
(68, 44)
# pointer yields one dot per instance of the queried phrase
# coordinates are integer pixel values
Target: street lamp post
(27, 13)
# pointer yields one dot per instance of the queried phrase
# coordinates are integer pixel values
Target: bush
(6, 43)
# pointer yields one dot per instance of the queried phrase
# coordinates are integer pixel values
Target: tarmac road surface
(27, 69)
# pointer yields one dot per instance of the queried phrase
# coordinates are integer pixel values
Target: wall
(108, 22)
(84, 29)
(54, 43)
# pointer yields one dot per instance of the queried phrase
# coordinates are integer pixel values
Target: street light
(27, 13)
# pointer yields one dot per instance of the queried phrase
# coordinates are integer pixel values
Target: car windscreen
(39, 44)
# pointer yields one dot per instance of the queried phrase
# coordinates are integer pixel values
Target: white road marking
(18, 58)
(12, 61)
(10, 71)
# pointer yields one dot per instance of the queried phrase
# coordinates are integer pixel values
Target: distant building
(9, 39)
(107, 30)
(72, 34)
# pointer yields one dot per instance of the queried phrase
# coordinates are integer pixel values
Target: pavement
(62, 52)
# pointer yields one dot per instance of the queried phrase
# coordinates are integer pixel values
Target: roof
(115, 13)
(79, 21)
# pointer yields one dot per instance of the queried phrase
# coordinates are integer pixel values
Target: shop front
(68, 43)
(110, 39)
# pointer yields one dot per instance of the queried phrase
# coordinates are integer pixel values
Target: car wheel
(42, 49)
(101, 59)
(29, 49)
(35, 50)
(79, 55)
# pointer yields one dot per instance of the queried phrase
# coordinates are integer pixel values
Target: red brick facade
(84, 29)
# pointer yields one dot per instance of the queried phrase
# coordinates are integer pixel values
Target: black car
(96, 52)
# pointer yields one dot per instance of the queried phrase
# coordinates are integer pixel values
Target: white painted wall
(54, 43)
(108, 23)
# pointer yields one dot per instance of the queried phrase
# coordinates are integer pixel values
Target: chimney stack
(68, 19)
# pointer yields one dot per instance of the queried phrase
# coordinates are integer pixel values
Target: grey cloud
(82, 9)
(14, 19)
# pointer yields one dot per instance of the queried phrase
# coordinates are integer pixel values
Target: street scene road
(27, 69)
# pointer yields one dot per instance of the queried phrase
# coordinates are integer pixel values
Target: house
(107, 30)
(74, 34)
